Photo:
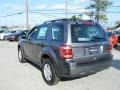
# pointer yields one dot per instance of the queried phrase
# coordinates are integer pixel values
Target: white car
(2, 35)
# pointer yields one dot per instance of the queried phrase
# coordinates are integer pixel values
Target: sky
(8, 7)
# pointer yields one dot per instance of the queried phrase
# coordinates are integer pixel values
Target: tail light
(66, 52)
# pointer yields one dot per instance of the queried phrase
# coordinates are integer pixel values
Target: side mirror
(24, 37)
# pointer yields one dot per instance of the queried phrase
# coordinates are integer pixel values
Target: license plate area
(93, 50)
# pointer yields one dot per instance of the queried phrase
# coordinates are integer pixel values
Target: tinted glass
(84, 33)
(13, 31)
(1, 31)
(57, 32)
(6, 32)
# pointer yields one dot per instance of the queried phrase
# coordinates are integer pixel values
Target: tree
(99, 8)
(74, 17)
(90, 14)
(4, 27)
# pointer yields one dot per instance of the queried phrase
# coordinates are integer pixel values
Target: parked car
(18, 35)
(65, 48)
(3, 34)
(1, 31)
(12, 37)
(6, 37)
(22, 34)
(117, 33)
(113, 39)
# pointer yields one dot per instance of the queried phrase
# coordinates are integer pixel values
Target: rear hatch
(89, 42)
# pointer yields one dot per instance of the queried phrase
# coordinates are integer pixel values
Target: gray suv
(66, 48)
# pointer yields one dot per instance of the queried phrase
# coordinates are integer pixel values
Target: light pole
(66, 10)
(27, 16)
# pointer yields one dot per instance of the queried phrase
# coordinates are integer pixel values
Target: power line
(13, 14)
(58, 13)
(46, 14)
(53, 10)
(113, 12)
(57, 9)
(27, 11)
(68, 12)
(116, 6)
(38, 11)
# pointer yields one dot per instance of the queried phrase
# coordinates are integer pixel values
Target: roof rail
(89, 20)
(80, 20)
(64, 19)
(56, 20)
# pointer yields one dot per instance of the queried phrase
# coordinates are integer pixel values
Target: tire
(48, 73)
(4, 38)
(21, 56)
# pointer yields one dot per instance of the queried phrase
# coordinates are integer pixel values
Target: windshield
(13, 32)
(1, 31)
(5, 32)
(85, 33)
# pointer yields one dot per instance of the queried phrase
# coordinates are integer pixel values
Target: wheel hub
(47, 72)
(20, 55)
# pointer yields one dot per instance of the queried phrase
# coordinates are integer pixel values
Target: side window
(33, 34)
(42, 32)
(57, 32)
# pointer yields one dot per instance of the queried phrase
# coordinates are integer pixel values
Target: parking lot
(17, 76)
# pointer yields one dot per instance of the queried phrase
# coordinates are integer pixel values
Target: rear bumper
(83, 69)
(12, 39)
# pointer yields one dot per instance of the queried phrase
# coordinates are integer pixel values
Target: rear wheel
(21, 56)
(48, 73)
(4, 38)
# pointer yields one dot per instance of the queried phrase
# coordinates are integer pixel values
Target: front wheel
(21, 56)
(48, 73)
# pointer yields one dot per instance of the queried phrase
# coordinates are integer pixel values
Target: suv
(66, 48)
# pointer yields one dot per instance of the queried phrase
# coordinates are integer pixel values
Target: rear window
(86, 33)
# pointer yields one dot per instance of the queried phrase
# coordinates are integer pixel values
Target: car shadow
(74, 78)
(61, 79)
(34, 65)
(116, 64)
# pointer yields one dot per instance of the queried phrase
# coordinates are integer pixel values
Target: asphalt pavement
(17, 76)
